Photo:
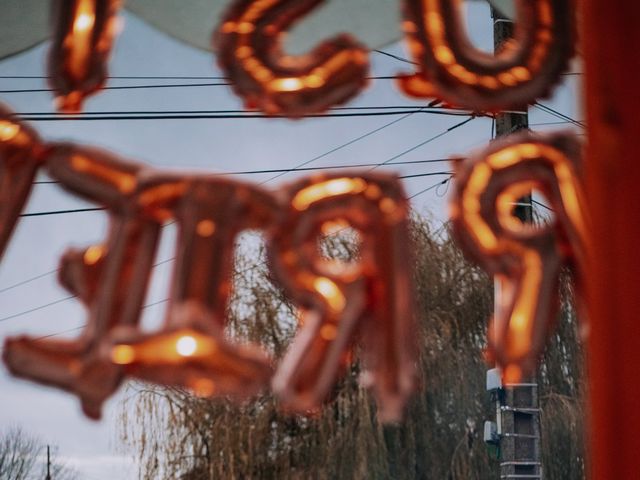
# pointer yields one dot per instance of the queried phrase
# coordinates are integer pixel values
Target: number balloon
(526, 257)
(370, 299)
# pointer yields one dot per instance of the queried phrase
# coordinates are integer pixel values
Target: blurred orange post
(611, 47)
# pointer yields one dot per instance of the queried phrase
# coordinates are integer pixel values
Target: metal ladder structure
(517, 428)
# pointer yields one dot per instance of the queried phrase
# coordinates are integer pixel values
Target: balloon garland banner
(369, 302)
(250, 36)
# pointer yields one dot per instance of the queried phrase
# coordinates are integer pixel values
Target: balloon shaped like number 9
(526, 257)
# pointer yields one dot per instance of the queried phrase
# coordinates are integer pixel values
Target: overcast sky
(216, 145)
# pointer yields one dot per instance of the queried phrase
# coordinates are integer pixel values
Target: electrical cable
(562, 122)
(29, 280)
(96, 209)
(223, 82)
(421, 144)
(186, 112)
(557, 114)
(443, 182)
(35, 309)
(51, 272)
(300, 169)
(124, 87)
(214, 116)
(61, 212)
(546, 207)
(395, 57)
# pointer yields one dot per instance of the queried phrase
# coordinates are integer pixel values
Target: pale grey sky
(219, 145)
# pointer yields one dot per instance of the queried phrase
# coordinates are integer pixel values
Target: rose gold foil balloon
(110, 279)
(249, 47)
(20, 157)
(191, 350)
(370, 299)
(526, 257)
(452, 69)
(84, 32)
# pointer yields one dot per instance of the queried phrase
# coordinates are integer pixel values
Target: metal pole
(518, 414)
(48, 477)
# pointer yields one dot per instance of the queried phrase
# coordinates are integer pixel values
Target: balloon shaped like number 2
(369, 303)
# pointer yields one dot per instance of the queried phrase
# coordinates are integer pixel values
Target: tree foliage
(176, 435)
(23, 457)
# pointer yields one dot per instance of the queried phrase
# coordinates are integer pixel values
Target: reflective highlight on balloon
(249, 46)
(526, 258)
(84, 31)
(337, 302)
(452, 69)
(368, 302)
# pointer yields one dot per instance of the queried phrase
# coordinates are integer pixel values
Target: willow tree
(176, 435)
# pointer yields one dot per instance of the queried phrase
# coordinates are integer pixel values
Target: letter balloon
(452, 69)
(249, 47)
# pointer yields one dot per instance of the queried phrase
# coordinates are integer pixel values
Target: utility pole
(517, 405)
(48, 477)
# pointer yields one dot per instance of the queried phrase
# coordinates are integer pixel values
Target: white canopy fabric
(24, 23)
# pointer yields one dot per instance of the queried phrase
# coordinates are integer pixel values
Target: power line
(29, 280)
(299, 169)
(75, 329)
(125, 77)
(215, 116)
(421, 144)
(97, 209)
(60, 333)
(60, 300)
(546, 207)
(558, 114)
(395, 57)
(221, 81)
(561, 122)
(35, 309)
(160, 112)
(61, 212)
(213, 77)
(51, 272)
(125, 87)
(436, 185)
(344, 145)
